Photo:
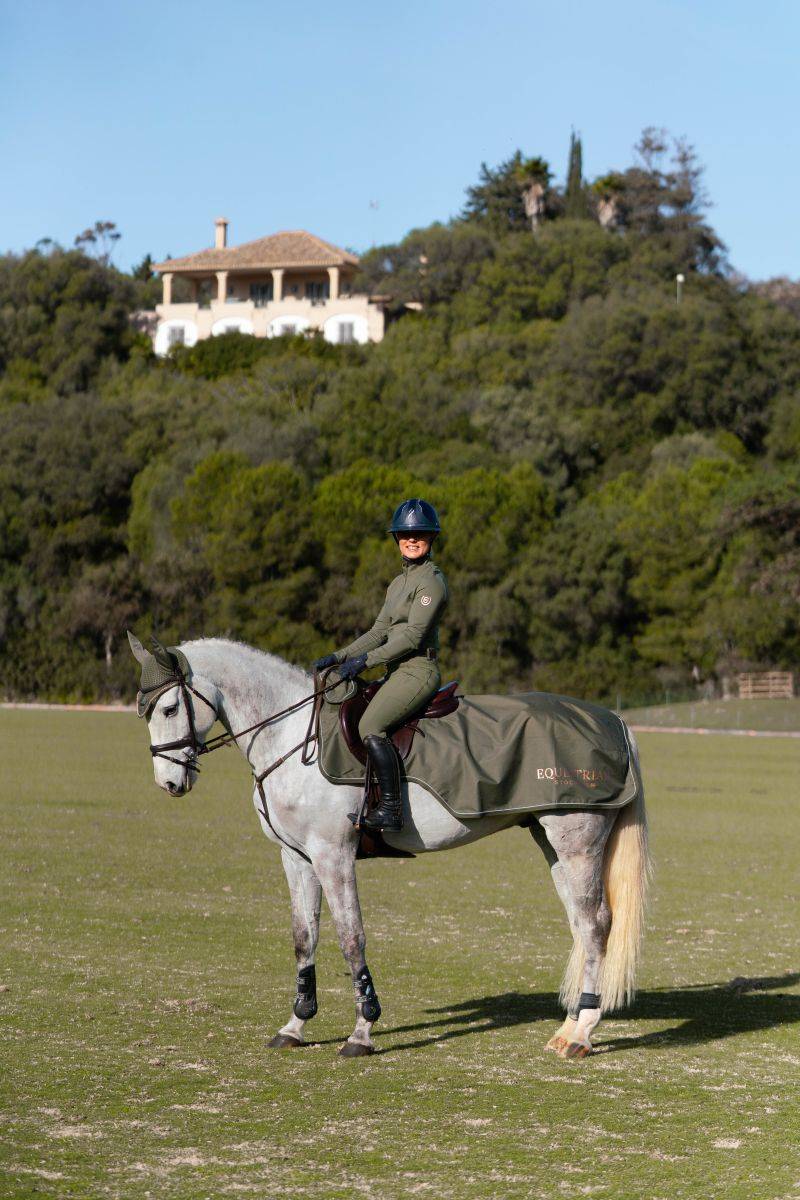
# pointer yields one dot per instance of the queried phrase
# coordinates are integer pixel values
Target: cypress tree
(575, 197)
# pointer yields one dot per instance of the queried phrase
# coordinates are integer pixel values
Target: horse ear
(161, 654)
(139, 653)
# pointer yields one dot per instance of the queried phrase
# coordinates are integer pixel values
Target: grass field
(146, 961)
(776, 715)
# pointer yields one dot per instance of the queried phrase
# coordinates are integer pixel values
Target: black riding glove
(352, 667)
(328, 660)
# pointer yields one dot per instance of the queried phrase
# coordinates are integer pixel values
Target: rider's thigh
(403, 692)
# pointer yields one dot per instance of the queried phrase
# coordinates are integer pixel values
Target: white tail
(626, 875)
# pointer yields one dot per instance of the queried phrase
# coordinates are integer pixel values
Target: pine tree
(499, 198)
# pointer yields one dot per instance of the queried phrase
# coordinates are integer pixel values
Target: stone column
(166, 280)
(277, 283)
(222, 286)
(333, 275)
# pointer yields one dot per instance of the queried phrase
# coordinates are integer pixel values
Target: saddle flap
(444, 701)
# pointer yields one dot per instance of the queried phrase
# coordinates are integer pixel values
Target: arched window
(174, 333)
(346, 328)
(287, 325)
(231, 325)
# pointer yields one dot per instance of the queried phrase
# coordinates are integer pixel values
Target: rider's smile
(414, 547)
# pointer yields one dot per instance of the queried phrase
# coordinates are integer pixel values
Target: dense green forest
(617, 473)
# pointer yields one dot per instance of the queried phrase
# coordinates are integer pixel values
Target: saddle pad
(507, 754)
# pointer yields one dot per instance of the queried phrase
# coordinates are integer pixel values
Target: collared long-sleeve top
(408, 623)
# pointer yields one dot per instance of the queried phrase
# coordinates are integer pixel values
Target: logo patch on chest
(425, 600)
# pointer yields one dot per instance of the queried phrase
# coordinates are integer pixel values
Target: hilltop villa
(285, 283)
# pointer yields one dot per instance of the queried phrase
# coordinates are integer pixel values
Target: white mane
(209, 655)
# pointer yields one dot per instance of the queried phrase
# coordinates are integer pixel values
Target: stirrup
(388, 819)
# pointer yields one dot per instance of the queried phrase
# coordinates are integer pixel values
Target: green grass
(147, 960)
(774, 715)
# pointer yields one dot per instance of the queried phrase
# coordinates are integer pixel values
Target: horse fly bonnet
(161, 670)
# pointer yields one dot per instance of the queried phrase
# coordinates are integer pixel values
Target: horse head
(180, 709)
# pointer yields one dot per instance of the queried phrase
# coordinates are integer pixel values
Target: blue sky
(361, 121)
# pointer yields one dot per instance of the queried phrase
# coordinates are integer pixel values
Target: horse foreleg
(306, 896)
(578, 841)
(338, 880)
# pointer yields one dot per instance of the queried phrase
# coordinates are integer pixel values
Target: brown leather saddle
(442, 703)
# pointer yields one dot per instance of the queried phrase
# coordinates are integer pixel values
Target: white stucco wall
(228, 324)
(201, 321)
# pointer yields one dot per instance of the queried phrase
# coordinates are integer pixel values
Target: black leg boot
(386, 765)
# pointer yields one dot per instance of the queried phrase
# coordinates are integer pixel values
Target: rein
(192, 741)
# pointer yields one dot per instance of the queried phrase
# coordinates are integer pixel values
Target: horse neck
(252, 686)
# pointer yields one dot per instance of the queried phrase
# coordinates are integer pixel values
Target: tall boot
(386, 765)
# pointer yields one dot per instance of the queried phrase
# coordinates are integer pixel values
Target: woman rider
(405, 637)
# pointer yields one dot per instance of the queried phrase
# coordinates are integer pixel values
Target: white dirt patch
(205, 1108)
(74, 1131)
(187, 1158)
(727, 1143)
(39, 1172)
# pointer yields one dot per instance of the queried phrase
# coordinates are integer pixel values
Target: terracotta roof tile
(292, 248)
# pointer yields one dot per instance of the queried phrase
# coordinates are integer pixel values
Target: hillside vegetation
(617, 473)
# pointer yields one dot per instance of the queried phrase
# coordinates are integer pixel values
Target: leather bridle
(191, 741)
(198, 747)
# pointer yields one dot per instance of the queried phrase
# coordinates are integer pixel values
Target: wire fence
(680, 710)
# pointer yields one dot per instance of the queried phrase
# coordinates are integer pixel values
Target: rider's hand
(352, 667)
(328, 660)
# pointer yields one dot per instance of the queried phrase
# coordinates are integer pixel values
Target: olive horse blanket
(506, 754)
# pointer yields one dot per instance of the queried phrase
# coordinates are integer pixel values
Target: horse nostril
(173, 788)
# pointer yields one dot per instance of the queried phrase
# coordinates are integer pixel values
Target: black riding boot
(386, 765)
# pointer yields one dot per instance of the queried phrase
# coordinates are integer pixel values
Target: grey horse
(598, 860)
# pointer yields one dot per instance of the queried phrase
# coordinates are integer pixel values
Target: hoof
(576, 1050)
(355, 1050)
(283, 1041)
(557, 1042)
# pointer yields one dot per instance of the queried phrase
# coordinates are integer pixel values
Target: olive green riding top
(408, 624)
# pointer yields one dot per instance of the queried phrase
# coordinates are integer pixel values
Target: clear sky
(359, 121)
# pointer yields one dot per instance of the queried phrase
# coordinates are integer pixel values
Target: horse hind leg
(306, 897)
(578, 841)
(563, 1035)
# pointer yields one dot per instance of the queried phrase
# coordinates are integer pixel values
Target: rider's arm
(425, 610)
(372, 638)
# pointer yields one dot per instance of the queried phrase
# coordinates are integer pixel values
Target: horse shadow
(706, 1012)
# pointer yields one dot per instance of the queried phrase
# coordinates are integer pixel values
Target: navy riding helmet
(414, 516)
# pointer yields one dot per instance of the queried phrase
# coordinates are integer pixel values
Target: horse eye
(171, 711)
